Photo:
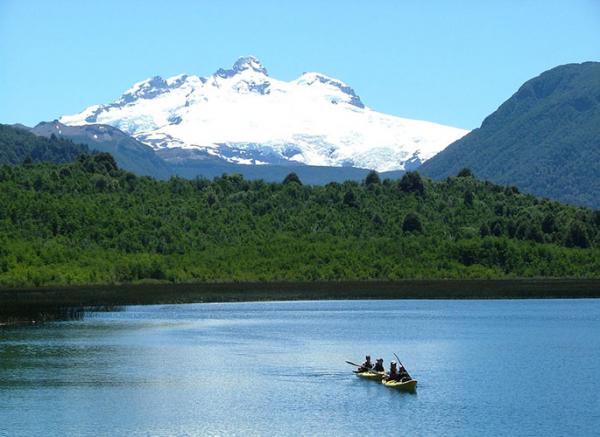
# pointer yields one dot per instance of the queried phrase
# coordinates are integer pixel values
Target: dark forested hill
(129, 153)
(545, 139)
(89, 222)
(18, 145)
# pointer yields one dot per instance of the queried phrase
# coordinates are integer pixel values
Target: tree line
(87, 221)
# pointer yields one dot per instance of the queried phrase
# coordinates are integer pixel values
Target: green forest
(88, 222)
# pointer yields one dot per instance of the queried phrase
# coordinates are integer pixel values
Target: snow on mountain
(244, 116)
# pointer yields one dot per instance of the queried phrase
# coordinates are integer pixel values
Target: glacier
(244, 116)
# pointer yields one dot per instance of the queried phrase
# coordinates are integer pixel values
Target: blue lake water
(520, 367)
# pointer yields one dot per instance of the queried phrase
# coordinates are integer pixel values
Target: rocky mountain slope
(243, 116)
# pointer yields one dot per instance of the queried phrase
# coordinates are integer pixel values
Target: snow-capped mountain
(244, 116)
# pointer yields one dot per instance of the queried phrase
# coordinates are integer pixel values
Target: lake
(485, 367)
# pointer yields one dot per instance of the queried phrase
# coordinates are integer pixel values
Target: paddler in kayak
(393, 374)
(403, 374)
(379, 365)
(367, 365)
(397, 375)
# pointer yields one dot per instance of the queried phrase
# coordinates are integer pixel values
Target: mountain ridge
(545, 138)
(129, 153)
(244, 116)
(18, 145)
(18, 142)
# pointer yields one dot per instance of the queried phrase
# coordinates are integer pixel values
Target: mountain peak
(247, 63)
(241, 115)
(146, 89)
(244, 63)
(311, 78)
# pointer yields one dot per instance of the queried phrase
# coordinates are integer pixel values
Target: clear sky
(451, 62)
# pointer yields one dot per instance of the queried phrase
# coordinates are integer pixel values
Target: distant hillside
(310, 174)
(130, 154)
(18, 145)
(545, 139)
(141, 159)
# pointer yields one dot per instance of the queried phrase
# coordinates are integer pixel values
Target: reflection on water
(33, 313)
(484, 368)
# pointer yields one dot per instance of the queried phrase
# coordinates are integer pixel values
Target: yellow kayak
(371, 374)
(405, 386)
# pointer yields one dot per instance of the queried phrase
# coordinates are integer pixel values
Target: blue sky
(451, 62)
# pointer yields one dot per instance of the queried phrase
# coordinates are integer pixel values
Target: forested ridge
(89, 222)
(18, 145)
(545, 139)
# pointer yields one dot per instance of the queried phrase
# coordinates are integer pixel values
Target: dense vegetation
(545, 139)
(18, 145)
(89, 222)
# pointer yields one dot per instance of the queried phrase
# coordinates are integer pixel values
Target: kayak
(406, 386)
(371, 374)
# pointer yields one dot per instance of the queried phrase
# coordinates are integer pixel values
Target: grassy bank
(143, 294)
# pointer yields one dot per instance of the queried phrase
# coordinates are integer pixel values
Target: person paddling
(393, 373)
(379, 365)
(367, 365)
(403, 374)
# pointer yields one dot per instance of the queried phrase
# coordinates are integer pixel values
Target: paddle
(356, 365)
(400, 362)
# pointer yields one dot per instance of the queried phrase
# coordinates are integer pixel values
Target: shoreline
(23, 306)
(166, 293)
